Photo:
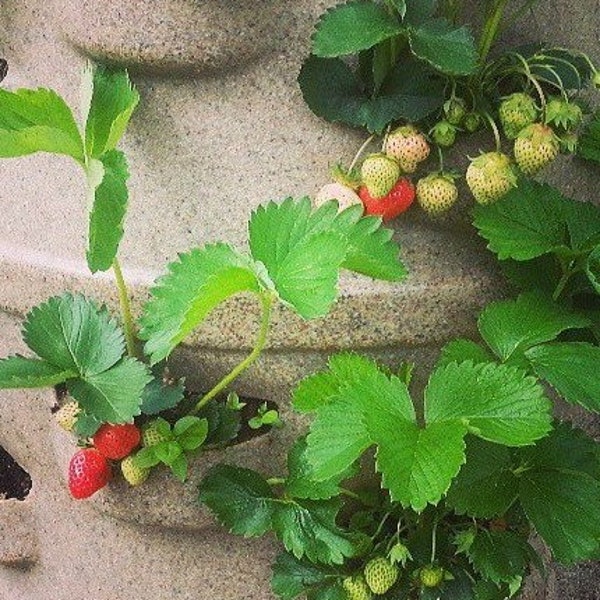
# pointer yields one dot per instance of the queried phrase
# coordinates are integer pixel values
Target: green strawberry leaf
(20, 372)
(334, 92)
(583, 222)
(159, 396)
(500, 556)
(498, 403)
(308, 529)
(559, 67)
(419, 11)
(303, 266)
(300, 482)
(240, 498)
(592, 268)
(486, 486)
(559, 491)
(179, 467)
(589, 141)
(351, 27)
(195, 284)
(190, 432)
(108, 213)
(146, 458)
(528, 222)
(72, 333)
(244, 503)
(571, 369)
(371, 250)
(114, 395)
(224, 423)
(86, 425)
(461, 350)
(112, 101)
(292, 577)
(37, 121)
(513, 326)
(445, 47)
(168, 452)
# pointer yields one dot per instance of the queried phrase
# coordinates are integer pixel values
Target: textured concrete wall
(221, 127)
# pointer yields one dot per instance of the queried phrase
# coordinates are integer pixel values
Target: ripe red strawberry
(116, 441)
(379, 174)
(516, 112)
(437, 193)
(89, 471)
(408, 146)
(535, 147)
(396, 202)
(490, 176)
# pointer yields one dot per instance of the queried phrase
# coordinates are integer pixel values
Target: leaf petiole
(125, 305)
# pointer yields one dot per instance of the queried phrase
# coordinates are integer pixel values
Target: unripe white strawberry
(345, 196)
(66, 415)
(536, 147)
(516, 112)
(379, 174)
(408, 146)
(437, 193)
(151, 436)
(490, 177)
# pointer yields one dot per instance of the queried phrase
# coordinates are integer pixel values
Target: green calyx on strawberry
(349, 178)
(568, 142)
(116, 441)
(356, 588)
(89, 471)
(562, 113)
(380, 574)
(490, 177)
(437, 193)
(132, 472)
(516, 112)
(397, 201)
(536, 147)
(444, 134)
(66, 415)
(472, 122)
(455, 110)
(431, 576)
(408, 146)
(379, 174)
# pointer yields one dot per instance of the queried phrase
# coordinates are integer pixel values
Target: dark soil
(15, 482)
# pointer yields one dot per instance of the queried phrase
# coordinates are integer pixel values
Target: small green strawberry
(536, 147)
(472, 122)
(132, 472)
(455, 110)
(379, 174)
(437, 193)
(568, 142)
(408, 146)
(380, 574)
(516, 112)
(444, 134)
(490, 177)
(66, 415)
(151, 436)
(562, 113)
(431, 576)
(356, 588)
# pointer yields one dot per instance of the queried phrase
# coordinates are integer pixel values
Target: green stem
(126, 313)
(267, 299)
(359, 153)
(491, 29)
(495, 131)
(273, 481)
(434, 541)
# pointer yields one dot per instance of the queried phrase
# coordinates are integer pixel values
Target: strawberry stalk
(491, 28)
(125, 305)
(267, 300)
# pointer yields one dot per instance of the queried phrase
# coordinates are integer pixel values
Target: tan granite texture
(221, 127)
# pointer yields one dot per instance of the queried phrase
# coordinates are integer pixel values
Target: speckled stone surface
(221, 127)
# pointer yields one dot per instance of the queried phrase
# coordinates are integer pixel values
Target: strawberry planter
(220, 129)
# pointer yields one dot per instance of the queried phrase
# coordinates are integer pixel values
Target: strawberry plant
(409, 70)
(114, 371)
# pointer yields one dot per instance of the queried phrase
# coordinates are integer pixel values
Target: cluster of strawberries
(90, 468)
(385, 189)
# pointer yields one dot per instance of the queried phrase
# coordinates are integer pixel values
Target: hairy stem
(126, 312)
(360, 152)
(267, 299)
